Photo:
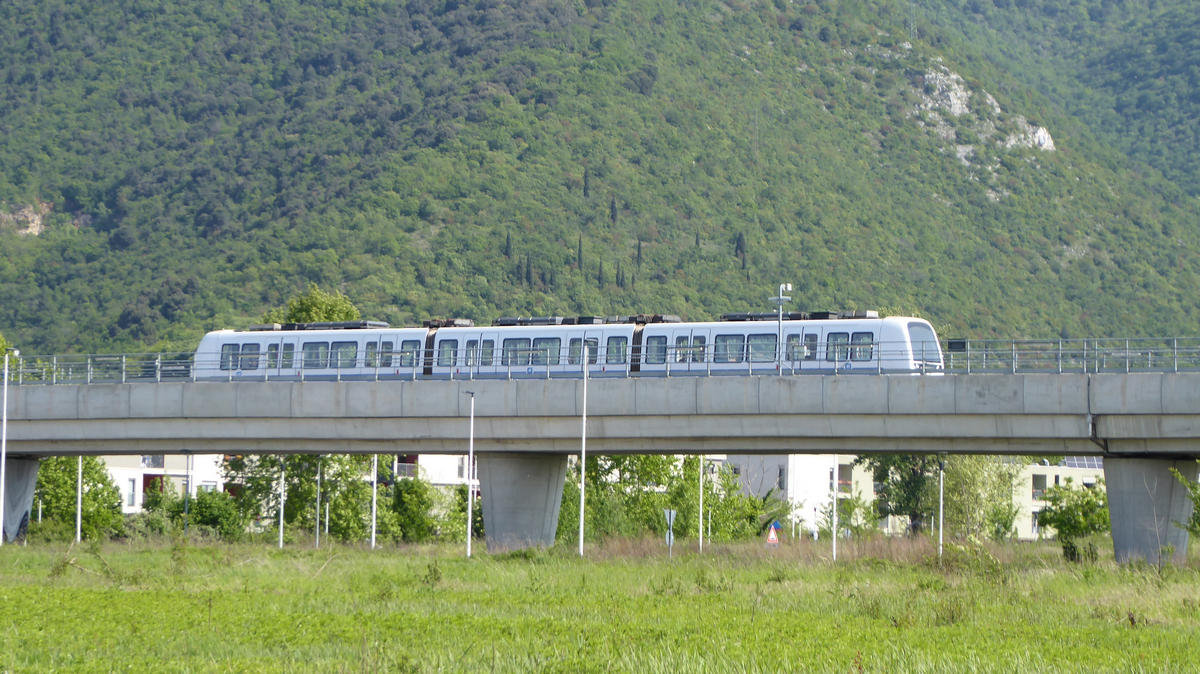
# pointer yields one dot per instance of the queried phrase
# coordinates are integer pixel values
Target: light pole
(941, 501)
(470, 464)
(583, 446)
(4, 444)
(781, 299)
(701, 471)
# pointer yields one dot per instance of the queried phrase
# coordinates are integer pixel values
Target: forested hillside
(167, 168)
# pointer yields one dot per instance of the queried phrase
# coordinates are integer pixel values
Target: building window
(1039, 487)
(207, 486)
(781, 481)
(131, 495)
(1033, 516)
(153, 461)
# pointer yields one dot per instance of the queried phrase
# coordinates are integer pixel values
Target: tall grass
(885, 605)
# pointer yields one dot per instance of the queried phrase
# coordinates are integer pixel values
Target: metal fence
(958, 357)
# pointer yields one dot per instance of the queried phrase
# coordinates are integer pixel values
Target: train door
(480, 354)
(590, 338)
(681, 356)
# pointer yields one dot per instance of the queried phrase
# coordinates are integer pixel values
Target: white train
(823, 343)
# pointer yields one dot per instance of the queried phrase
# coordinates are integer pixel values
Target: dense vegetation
(884, 607)
(197, 163)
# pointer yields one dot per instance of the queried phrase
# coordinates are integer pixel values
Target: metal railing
(1072, 356)
(958, 357)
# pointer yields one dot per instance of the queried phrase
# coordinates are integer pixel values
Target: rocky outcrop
(26, 220)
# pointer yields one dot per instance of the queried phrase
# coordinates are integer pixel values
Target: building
(135, 475)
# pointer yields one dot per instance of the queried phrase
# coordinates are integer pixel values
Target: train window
(681, 349)
(409, 350)
(924, 343)
(810, 347)
(315, 355)
(447, 353)
(272, 355)
(656, 350)
(793, 350)
(575, 346)
(861, 344)
(546, 350)
(229, 354)
(762, 347)
(289, 356)
(249, 357)
(344, 356)
(379, 354)
(729, 349)
(837, 347)
(515, 352)
(698, 350)
(614, 353)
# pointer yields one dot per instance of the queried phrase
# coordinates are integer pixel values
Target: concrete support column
(1145, 503)
(21, 480)
(521, 497)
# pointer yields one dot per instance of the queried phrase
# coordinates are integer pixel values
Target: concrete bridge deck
(1143, 422)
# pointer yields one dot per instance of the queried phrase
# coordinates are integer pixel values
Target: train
(791, 343)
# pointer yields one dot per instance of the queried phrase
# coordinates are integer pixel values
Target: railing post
(1014, 357)
(158, 369)
(89, 369)
(1060, 356)
(1175, 353)
(53, 370)
(122, 368)
(1127, 356)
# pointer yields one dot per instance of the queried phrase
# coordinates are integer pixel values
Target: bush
(218, 510)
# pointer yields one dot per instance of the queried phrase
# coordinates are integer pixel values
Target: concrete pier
(1147, 506)
(20, 483)
(521, 496)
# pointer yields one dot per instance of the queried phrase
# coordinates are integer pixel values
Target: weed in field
(433, 575)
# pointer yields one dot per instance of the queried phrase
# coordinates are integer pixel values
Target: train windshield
(924, 343)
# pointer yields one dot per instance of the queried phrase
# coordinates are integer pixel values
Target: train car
(643, 345)
(331, 351)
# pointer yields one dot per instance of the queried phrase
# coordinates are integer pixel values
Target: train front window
(315, 355)
(924, 343)
(515, 352)
(762, 348)
(729, 349)
(837, 347)
(447, 353)
(545, 350)
(345, 355)
(229, 354)
(249, 357)
(861, 345)
(656, 350)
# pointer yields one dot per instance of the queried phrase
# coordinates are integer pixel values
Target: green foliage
(1193, 490)
(979, 496)
(626, 496)
(856, 517)
(195, 165)
(57, 480)
(314, 306)
(218, 510)
(1075, 513)
(413, 501)
(907, 486)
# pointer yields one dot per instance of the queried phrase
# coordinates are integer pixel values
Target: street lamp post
(4, 444)
(583, 447)
(780, 300)
(470, 464)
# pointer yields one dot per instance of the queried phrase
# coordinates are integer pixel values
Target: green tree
(1075, 513)
(413, 501)
(981, 502)
(56, 490)
(907, 486)
(314, 306)
(218, 510)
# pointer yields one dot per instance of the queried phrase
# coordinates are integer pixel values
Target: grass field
(885, 606)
